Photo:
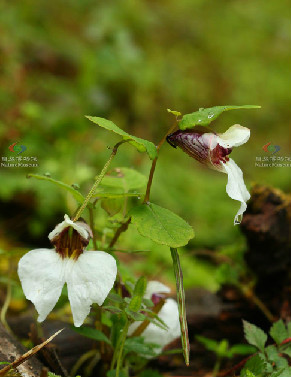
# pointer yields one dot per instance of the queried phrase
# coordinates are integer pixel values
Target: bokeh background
(129, 61)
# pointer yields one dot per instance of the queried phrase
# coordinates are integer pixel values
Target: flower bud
(203, 146)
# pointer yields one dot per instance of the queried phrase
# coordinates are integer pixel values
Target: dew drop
(210, 115)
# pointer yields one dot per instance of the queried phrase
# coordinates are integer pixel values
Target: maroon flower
(213, 150)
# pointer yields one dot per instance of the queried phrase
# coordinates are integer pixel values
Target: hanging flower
(168, 313)
(89, 275)
(213, 150)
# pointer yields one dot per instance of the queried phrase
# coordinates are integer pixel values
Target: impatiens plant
(133, 321)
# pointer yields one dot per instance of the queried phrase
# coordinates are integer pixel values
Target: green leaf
(140, 287)
(112, 206)
(161, 225)
(134, 315)
(115, 298)
(140, 144)
(112, 309)
(249, 374)
(242, 349)
(155, 319)
(148, 303)
(138, 293)
(76, 194)
(176, 113)
(254, 335)
(124, 178)
(210, 344)
(286, 372)
(112, 373)
(256, 365)
(220, 348)
(181, 304)
(92, 334)
(203, 117)
(273, 356)
(138, 345)
(279, 332)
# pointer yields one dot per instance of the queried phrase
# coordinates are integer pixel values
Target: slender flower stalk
(154, 163)
(98, 181)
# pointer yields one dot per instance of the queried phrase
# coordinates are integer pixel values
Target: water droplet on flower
(199, 120)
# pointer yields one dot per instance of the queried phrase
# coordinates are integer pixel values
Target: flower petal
(89, 280)
(155, 286)
(235, 136)
(64, 224)
(154, 334)
(41, 275)
(236, 187)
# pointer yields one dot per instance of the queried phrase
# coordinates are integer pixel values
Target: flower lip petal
(88, 284)
(42, 279)
(236, 188)
(79, 226)
(235, 136)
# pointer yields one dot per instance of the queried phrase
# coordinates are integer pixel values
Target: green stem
(250, 294)
(5, 308)
(216, 367)
(121, 346)
(86, 356)
(92, 226)
(154, 163)
(98, 180)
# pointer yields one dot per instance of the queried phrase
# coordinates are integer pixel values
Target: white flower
(212, 150)
(89, 275)
(169, 313)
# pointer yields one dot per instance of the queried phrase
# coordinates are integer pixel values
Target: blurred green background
(129, 61)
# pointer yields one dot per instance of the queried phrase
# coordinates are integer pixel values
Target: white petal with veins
(89, 279)
(236, 187)
(235, 136)
(41, 272)
(64, 224)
